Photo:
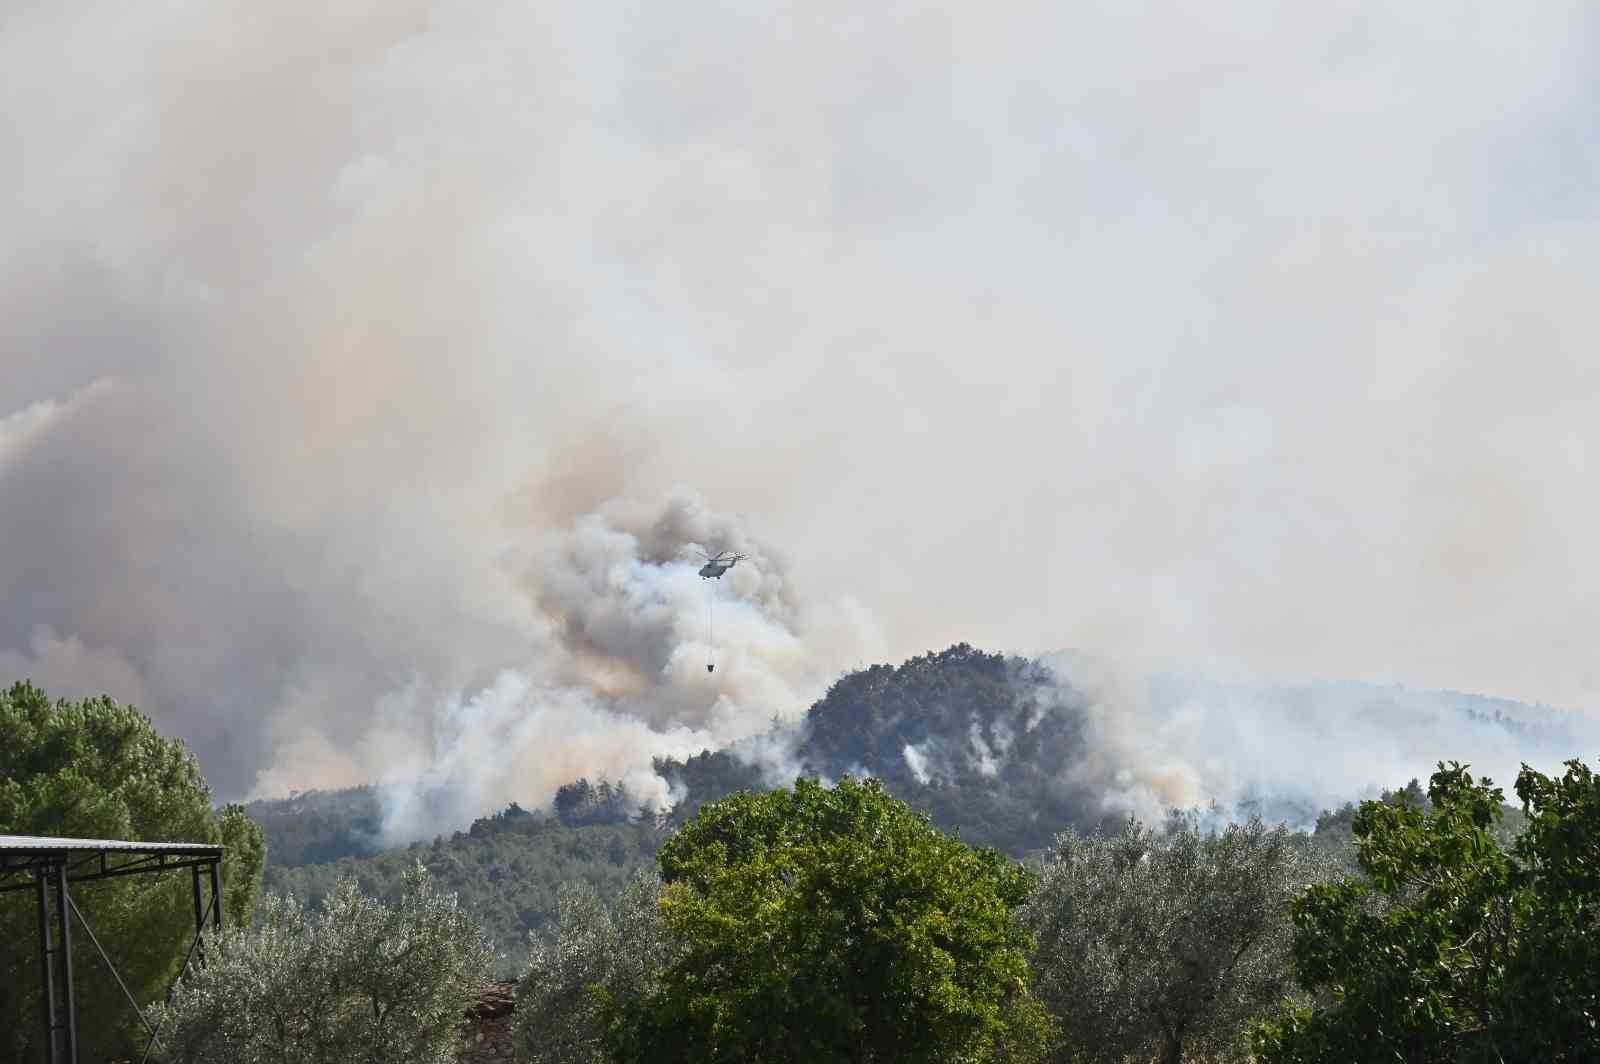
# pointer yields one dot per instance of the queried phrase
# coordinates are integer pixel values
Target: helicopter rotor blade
(720, 556)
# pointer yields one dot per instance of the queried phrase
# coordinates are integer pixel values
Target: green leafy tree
(358, 981)
(1157, 946)
(1453, 948)
(97, 769)
(1554, 988)
(601, 962)
(835, 924)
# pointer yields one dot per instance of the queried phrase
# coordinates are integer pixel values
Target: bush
(600, 963)
(358, 982)
(1153, 946)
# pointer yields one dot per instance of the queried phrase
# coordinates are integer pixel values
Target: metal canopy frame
(50, 866)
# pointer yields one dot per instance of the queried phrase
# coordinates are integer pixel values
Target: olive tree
(1161, 945)
(359, 981)
(600, 963)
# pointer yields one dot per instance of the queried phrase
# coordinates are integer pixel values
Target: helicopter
(719, 563)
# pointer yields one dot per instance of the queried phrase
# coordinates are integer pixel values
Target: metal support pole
(64, 923)
(182, 968)
(216, 896)
(199, 919)
(53, 867)
(112, 968)
(47, 972)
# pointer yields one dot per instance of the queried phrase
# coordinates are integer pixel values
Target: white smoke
(984, 759)
(621, 678)
(775, 752)
(1184, 739)
(917, 762)
(514, 741)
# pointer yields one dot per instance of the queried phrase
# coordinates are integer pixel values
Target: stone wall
(486, 1033)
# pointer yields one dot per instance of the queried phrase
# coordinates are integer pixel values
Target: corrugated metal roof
(42, 843)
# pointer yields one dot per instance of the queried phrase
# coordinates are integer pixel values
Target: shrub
(1152, 946)
(359, 981)
(600, 962)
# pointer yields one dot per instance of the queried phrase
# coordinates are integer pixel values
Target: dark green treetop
(1453, 948)
(835, 924)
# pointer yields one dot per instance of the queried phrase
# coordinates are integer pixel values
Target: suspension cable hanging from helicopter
(714, 567)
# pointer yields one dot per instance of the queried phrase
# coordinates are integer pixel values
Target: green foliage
(1335, 829)
(944, 705)
(244, 862)
(1153, 946)
(507, 870)
(97, 769)
(601, 963)
(1453, 948)
(358, 982)
(871, 715)
(835, 925)
(317, 827)
(991, 733)
(582, 802)
(706, 777)
(1557, 983)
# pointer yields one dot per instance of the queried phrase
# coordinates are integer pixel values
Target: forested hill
(507, 870)
(1001, 748)
(976, 740)
(315, 827)
(507, 867)
(991, 746)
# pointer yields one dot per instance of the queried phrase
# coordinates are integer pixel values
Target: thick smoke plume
(621, 672)
(367, 369)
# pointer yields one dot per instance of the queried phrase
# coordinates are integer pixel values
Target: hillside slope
(506, 868)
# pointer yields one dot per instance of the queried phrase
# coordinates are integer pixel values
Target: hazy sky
(365, 367)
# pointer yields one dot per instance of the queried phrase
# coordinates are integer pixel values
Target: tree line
(839, 923)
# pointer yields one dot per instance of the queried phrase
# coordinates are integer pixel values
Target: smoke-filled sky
(370, 370)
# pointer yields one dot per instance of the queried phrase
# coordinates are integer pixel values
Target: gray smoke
(1183, 739)
(366, 369)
